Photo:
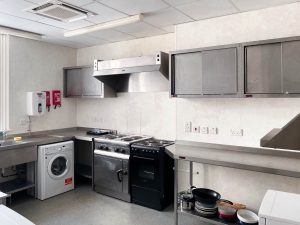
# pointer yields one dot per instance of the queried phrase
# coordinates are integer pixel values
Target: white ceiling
(160, 16)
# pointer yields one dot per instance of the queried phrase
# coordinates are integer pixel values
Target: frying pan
(206, 196)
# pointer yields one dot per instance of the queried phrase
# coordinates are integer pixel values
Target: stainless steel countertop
(47, 137)
(260, 159)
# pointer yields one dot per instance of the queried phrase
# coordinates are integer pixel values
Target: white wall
(145, 113)
(255, 116)
(36, 66)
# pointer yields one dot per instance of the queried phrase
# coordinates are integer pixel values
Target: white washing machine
(55, 169)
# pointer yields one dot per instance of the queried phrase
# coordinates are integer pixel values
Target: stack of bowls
(247, 217)
(206, 202)
(226, 212)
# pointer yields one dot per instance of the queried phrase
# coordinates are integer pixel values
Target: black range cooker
(152, 175)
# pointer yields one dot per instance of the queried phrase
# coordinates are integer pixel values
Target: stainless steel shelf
(16, 185)
(215, 221)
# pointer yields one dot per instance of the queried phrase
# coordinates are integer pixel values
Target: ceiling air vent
(61, 11)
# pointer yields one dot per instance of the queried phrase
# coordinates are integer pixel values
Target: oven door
(144, 172)
(109, 172)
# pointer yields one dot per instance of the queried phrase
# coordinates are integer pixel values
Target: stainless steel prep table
(232, 157)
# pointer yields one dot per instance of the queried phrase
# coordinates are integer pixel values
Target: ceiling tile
(79, 2)
(73, 2)
(68, 26)
(104, 13)
(112, 35)
(132, 7)
(203, 9)
(12, 21)
(17, 7)
(62, 42)
(141, 29)
(44, 29)
(169, 29)
(166, 17)
(86, 40)
(179, 2)
(246, 5)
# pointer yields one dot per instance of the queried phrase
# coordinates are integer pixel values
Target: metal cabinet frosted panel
(90, 85)
(187, 73)
(263, 69)
(79, 81)
(219, 70)
(73, 85)
(291, 67)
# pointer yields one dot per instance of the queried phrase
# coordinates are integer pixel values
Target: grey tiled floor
(85, 207)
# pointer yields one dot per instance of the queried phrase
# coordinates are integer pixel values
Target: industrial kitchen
(149, 112)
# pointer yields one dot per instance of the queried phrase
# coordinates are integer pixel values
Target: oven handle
(111, 154)
(139, 157)
(120, 175)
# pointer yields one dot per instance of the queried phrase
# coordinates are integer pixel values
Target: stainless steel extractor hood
(139, 74)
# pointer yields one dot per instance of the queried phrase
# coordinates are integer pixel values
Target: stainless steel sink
(5, 143)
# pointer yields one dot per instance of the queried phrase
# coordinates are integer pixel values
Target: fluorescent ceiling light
(82, 17)
(103, 26)
(20, 33)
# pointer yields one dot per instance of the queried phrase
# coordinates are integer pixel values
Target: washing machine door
(58, 166)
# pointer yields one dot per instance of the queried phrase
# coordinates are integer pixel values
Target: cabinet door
(90, 85)
(188, 73)
(219, 71)
(74, 84)
(291, 67)
(263, 69)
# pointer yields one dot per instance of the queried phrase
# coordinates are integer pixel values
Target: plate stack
(206, 210)
(206, 202)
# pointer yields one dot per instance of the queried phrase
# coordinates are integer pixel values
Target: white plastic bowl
(247, 216)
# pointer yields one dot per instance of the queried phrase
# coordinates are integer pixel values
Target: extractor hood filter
(59, 10)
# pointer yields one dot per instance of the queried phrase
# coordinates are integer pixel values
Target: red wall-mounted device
(56, 98)
(48, 100)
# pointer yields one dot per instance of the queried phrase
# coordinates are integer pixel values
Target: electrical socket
(204, 130)
(196, 129)
(188, 127)
(237, 132)
(213, 130)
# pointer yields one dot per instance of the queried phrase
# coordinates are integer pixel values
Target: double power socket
(198, 129)
(190, 128)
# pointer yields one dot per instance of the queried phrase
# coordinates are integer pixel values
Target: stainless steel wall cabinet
(272, 68)
(268, 68)
(206, 72)
(79, 82)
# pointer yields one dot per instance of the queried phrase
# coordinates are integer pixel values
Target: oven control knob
(123, 151)
(117, 150)
(105, 148)
(100, 147)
